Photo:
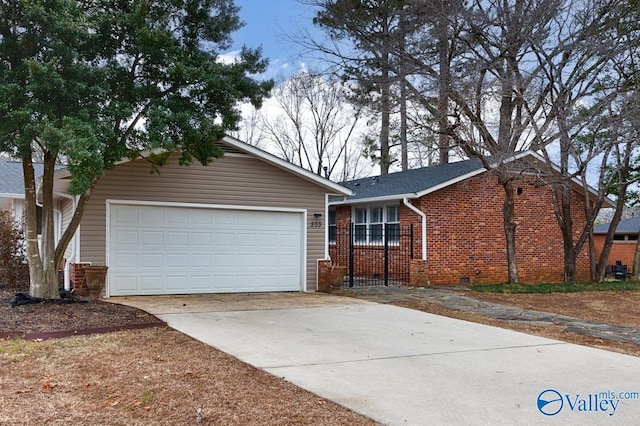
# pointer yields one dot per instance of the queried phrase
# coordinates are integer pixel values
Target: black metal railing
(375, 254)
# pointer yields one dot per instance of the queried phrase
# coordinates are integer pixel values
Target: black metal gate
(375, 254)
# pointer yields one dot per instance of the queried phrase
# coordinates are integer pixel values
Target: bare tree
(309, 122)
(586, 75)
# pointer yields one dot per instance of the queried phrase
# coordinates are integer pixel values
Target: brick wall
(76, 275)
(465, 234)
(339, 252)
(620, 250)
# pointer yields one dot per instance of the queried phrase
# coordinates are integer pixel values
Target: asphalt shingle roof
(626, 226)
(410, 181)
(11, 179)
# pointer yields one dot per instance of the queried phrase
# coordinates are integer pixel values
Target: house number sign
(316, 224)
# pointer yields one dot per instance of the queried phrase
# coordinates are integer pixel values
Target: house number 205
(316, 224)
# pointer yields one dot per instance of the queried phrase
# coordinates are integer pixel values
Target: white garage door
(179, 250)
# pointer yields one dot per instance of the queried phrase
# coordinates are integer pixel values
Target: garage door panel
(177, 217)
(244, 239)
(267, 259)
(201, 260)
(201, 283)
(246, 260)
(150, 283)
(126, 237)
(202, 217)
(224, 260)
(177, 261)
(201, 238)
(147, 214)
(124, 260)
(126, 216)
(124, 283)
(175, 238)
(224, 239)
(148, 260)
(225, 217)
(152, 238)
(177, 283)
(174, 250)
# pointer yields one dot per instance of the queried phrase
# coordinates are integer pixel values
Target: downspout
(326, 227)
(74, 247)
(423, 216)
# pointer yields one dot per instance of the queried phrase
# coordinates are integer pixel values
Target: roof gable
(237, 145)
(413, 182)
(232, 146)
(416, 183)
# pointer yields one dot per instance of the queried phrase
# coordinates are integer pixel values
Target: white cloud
(229, 57)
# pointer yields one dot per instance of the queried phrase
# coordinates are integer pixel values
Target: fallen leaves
(46, 384)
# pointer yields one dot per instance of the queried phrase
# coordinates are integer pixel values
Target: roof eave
(450, 182)
(369, 200)
(10, 195)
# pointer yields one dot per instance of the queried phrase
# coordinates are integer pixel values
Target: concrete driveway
(404, 367)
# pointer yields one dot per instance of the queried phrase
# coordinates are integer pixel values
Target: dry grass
(162, 377)
(148, 377)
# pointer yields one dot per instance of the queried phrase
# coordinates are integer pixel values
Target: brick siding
(76, 275)
(465, 234)
(622, 251)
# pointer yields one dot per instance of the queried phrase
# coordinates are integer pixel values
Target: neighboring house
(454, 212)
(12, 190)
(247, 222)
(624, 243)
(12, 187)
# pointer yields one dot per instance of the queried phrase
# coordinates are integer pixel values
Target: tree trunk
(593, 269)
(509, 215)
(403, 125)
(44, 264)
(570, 257)
(570, 254)
(608, 240)
(385, 119)
(48, 228)
(443, 91)
(635, 268)
(37, 282)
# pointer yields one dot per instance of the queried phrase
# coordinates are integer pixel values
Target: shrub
(13, 266)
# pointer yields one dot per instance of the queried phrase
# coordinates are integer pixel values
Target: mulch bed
(47, 319)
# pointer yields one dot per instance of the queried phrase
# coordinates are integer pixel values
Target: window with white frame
(333, 226)
(360, 225)
(393, 223)
(369, 224)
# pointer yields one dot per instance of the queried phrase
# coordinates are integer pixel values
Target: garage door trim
(303, 231)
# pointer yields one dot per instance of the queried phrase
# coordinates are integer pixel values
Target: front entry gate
(374, 254)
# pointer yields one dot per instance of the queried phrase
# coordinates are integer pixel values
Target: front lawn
(555, 287)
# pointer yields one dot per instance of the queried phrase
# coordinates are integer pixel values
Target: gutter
(423, 216)
(345, 200)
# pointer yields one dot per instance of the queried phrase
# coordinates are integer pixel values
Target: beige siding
(235, 180)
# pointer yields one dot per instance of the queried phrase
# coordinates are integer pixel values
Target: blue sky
(267, 24)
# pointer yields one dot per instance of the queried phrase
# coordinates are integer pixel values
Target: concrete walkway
(405, 367)
(451, 298)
